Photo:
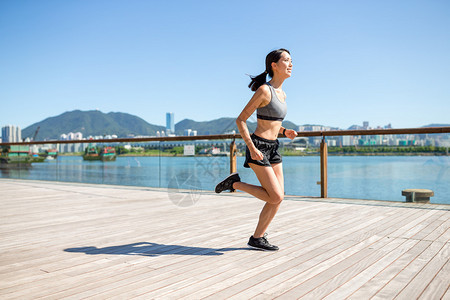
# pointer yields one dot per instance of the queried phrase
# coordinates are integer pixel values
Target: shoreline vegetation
(332, 151)
(373, 151)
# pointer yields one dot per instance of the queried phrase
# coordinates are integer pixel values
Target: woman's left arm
(290, 133)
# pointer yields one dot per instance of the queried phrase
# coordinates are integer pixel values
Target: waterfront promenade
(67, 240)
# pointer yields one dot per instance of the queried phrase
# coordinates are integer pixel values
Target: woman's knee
(276, 198)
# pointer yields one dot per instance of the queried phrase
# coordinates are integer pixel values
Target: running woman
(262, 154)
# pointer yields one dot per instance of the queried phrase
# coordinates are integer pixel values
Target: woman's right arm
(262, 95)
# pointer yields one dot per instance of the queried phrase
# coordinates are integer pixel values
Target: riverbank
(148, 154)
(367, 154)
(285, 151)
(163, 154)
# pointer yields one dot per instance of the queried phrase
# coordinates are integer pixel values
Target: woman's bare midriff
(268, 129)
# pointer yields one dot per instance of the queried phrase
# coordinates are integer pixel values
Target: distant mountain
(218, 126)
(91, 123)
(437, 125)
(95, 122)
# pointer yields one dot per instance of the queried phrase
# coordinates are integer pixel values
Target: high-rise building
(347, 140)
(170, 123)
(18, 135)
(11, 134)
(6, 134)
(190, 132)
(78, 136)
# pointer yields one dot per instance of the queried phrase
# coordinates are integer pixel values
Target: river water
(358, 177)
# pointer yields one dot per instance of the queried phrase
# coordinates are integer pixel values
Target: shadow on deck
(152, 249)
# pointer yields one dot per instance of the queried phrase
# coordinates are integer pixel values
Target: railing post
(323, 169)
(233, 163)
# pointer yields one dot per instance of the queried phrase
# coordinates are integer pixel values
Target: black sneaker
(261, 243)
(227, 183)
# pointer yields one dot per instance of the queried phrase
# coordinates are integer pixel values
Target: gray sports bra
(275, 110)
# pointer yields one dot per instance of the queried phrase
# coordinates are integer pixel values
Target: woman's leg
(278, 170)
(269, 210)
(270, 190)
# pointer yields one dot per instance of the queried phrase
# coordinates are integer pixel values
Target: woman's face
(283, 67)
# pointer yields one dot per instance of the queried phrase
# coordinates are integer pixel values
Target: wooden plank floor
(67, 240)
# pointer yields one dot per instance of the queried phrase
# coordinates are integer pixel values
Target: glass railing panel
(194, 165)
(368, 170)
(44, 162)
(363, 167)
(136, 165)
(71, 166)
(121, 164)
(301, 166)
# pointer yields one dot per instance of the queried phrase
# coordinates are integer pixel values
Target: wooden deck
(66, 240)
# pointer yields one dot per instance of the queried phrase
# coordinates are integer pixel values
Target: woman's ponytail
(257, 81)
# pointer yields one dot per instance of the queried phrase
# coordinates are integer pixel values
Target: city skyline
(170, 128)
(13, 134)
(352, 59)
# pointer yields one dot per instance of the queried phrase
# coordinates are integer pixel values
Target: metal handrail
(426, 130)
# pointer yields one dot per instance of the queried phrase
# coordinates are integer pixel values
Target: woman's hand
(256, 155)
(290, 133)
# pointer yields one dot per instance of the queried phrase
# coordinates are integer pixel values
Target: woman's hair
(259, 80)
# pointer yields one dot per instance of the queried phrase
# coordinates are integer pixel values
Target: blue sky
(354, 61)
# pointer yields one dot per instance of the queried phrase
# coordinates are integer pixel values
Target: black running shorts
(269, 149)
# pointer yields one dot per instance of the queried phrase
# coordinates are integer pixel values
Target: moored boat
(108, 154)
(51, 153)
(15, 156)
(105, 154)
(91, 153)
